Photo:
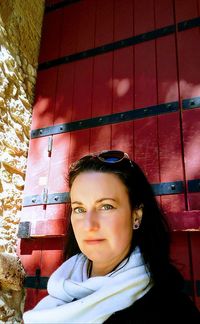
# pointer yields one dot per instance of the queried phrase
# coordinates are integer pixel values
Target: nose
(91, 222)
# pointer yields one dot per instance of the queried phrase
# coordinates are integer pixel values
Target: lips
(94, 241)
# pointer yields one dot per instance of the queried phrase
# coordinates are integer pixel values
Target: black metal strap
(59, 5)
(191, 103)
(55, 198)
(129, 115)
(194, 185)
(168, 188)
(188, 24)
(151, 35)
(109, 47)
(159, 189)
(36, 282)
(106, 119)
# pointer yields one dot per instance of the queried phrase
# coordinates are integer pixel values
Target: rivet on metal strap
(192, 103)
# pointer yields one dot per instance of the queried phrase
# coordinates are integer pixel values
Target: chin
(94, 256)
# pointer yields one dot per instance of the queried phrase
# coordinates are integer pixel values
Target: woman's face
(101, 218)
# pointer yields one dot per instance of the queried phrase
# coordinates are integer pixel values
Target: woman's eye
(107, 207)
(78, 210)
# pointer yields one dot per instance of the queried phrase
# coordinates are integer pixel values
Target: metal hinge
(45, 196)
(24, 230)
(46, 199)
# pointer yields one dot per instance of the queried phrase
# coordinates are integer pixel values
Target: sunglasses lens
(111, 156)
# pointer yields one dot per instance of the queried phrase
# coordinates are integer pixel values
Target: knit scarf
(75, 298)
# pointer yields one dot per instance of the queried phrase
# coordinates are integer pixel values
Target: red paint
(150, 73)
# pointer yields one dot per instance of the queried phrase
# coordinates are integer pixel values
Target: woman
(120, 269)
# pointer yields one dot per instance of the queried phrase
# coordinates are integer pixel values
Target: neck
(95, 270)
(100, 271)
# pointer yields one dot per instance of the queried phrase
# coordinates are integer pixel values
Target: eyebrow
(97, 201)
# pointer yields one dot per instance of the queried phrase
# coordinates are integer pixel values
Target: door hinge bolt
(45, 196)
(50, 144)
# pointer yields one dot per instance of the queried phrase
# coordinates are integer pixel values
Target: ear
(137, 216)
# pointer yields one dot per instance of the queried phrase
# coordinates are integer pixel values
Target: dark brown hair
(153, 234)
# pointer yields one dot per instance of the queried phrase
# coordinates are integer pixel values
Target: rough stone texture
(11, 288)
(20, 30)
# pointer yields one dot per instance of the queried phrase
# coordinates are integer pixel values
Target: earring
(136, 225)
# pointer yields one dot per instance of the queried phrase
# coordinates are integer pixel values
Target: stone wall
(20, 31)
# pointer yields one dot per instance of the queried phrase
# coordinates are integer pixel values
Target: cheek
(121, 229)
(76, 227)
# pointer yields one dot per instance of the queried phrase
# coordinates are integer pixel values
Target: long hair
(153, 234)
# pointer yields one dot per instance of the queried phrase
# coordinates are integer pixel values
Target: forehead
(97, 184)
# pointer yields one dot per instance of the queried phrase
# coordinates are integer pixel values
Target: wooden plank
(104, 22)
(145, 75)
(123, 19)
(43, 109)
(59, 164)
(33, 296)
(122, 137)
(82, 96)
(79, 144)
(146, 147)
(164, 13)
(37, 171)
(51, 36)
(100, 138)
(180, 220)
(53, 250)
(188, 58)
(170, 152)
(69, 33)
(86, 25)
(64, 94)
(102, 85)
(122, 86)
(123, 79)
(145, 130)
(180, 254)
(191, 136)
(30, 256)
(185, 10)
(143, 16)
(54, 223)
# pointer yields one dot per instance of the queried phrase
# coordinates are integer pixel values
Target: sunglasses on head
(112, 157)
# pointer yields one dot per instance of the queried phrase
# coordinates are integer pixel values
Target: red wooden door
(115, 74)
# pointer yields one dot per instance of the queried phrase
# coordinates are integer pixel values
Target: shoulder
(159, 306)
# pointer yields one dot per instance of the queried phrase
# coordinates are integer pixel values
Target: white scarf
(96, 298)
